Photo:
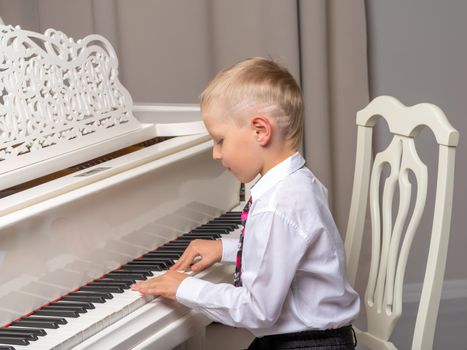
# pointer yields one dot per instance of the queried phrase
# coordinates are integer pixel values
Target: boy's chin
(244, 179)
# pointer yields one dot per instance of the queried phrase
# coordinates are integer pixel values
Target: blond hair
(258, 85)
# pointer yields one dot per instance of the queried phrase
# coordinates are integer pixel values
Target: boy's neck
(271, 159)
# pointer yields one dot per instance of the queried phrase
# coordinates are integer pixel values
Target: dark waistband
(312, 334)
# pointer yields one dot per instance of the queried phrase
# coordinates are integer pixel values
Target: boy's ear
(262, 128)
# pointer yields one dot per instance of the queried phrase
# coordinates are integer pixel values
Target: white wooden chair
(391, 239)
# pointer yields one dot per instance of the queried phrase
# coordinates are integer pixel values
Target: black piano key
(193, 236)
(85, 305)
(170, 255)
(142, 267)
(227, 225)
(224, 220)
(97, 288)
(34, 331)
(223, 223)
(159, 263)
(145, 273)
(57, 320)
(161, 255)
(177, 243)
(188, 237)
(35, 324)
(157, 266)
(236, 216)
(164, 262)
(24, 335)
(13, 340)
(78, 309)
(125, 276)
(228, 228)
(176, 248)
(82, 298)
(92, 294)
(58, 313)
(222, 231)
(217, 225)
(234, 213)
(5, 347)
(164, 249)
(111, 283)
(128, 281)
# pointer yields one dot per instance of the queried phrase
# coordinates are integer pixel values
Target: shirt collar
(276, 174)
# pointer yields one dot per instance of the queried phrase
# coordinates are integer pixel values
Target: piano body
(86, 190)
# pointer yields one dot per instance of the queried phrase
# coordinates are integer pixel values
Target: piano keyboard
(68, 321)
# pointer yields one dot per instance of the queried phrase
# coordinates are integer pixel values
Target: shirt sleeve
(272, 250)
(229, 249)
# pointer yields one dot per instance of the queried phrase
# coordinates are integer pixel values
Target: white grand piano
(93, 198)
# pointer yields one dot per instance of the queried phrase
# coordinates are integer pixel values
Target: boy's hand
(209, 251)
(165, 285)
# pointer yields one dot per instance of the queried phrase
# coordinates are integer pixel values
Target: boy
(290, 289)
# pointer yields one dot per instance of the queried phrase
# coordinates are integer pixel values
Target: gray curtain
(168, 51)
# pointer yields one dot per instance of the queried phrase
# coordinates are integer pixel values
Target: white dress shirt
(293, 265)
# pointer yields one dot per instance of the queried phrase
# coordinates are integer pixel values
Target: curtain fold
(334, 77)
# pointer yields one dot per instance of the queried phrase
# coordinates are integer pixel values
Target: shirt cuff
(189, 291)
(229, 249)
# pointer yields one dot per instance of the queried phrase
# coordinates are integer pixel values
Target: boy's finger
(135, 286)
(180, 260)
(150, 290)
(139, 285)
(185, 261)
(177, 264)
(199, 266)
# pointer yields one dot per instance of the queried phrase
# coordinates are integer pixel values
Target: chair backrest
(391, 239)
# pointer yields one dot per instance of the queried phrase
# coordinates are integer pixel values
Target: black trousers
(331, 339)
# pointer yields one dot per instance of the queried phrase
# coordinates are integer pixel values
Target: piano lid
(61, 102)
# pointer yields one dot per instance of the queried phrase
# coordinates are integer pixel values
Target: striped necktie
(238, 263)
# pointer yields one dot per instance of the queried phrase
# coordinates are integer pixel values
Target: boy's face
(234, 145)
